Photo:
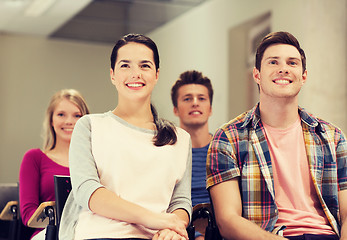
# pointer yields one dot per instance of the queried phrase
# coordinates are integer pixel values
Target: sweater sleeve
(83, 171)
(181, 197)
(29, 184)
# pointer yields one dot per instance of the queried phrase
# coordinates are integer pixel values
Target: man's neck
(200, 136)
(279, 114)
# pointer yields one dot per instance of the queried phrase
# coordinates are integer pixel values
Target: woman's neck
(139, 115)
(60, 153)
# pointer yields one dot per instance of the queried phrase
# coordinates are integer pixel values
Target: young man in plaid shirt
(276, 171)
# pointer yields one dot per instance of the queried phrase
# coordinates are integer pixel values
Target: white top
(107, 151)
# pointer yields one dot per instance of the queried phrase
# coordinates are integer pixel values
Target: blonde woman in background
(39, 166)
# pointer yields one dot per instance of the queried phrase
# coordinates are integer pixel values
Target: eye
(125, 65)
(202, 99)
(293, 63)
(78, 116)
(60, 114)
(145, 66)
(273, 62)
(186, 99)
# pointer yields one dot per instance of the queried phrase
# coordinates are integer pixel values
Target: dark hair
(166, 131)
(191, 77)
(137, 38)
(278, 38)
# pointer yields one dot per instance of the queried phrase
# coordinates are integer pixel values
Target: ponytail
(166, 131)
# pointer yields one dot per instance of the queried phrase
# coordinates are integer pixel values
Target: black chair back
(62, 186)
(8, 192)
(8, 228)
(215, 230)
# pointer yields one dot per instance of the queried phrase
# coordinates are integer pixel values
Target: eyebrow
(141, 62)
(295, 58)
(190, 95)
(64, 111)
(275, 57)
(147, 61)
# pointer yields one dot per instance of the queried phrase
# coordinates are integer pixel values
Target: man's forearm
(237, 227)
(343, 229)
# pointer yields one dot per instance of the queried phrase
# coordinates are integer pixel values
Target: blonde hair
(48, 134)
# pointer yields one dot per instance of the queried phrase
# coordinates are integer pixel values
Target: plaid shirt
(239, 149)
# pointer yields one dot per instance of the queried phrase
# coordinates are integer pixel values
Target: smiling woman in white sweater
(130, 170)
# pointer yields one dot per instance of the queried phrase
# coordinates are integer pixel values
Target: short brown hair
(278, 38)
(191, 77)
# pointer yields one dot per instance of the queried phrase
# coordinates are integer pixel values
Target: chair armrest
(201, 217)
(7, 213)
(39, 219)
(199, 206)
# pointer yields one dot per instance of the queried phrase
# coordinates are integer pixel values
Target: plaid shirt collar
(253, 117)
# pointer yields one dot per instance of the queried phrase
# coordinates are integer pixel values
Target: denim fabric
(314, 237)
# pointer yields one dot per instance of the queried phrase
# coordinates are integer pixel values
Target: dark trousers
(118, 239)
(314, 237)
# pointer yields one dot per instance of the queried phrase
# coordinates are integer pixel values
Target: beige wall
(199, 40)
(32, 69)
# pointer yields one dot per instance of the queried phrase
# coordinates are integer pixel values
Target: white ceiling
(13, 19)
(91, 20)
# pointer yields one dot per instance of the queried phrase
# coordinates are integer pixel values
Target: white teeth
(195, 113)
(134, 84)
(282, 81)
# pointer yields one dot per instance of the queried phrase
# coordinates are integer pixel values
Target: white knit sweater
(107, 151)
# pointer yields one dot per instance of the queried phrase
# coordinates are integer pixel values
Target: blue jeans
(314, 237)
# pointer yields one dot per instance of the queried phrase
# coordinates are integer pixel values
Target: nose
(70, 120)
(283, 68)
(136, 74)
(195, 101)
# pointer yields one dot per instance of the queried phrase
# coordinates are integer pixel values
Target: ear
(113, 80)
(304, 77)
(175, 110)
(256, 75)
(157, 75)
